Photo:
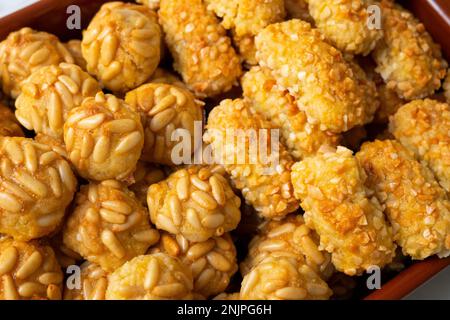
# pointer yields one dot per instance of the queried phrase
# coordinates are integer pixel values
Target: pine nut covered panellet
(212, 262)
(407, 57)
(28, 271)
(25, 51)
(74, 47)
(334, 93)
(145, 175)
(283, 278)
(246, 18)
(165, 110)
(267, 189)
(122, 45)
(423, 126)
(94, 281)
(151, 277)
(350, 222)
(104, 138)
(9, 126)
(47, 96)
(298, 9)
(37, 185)
(345, 24)
(417, 207)
(291, 238)
(108, 225)
(57, 145)
(195, 202)
(200, 47)
(276, 105)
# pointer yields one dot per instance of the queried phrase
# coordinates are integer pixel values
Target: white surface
(436, 288)
(9, 6)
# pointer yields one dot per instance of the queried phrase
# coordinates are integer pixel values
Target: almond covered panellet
(407, 58)
(29, 271)
(212, 262)
(9, 126)
(246, 18)
(156, 276)
(108, 225)
(346, 24)
(196, 202)
(200, 47)
(417, 207)
(334, 93)
(165, 110)
(47, 96)
(338, 206)
(36, 186)
(104, 138)
(236, 133)
(423, 126)
(122, 45)
(276, 105)
(25, 51)
(283, 278)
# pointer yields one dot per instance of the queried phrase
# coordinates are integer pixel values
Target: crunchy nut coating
(246, 18)
(145, 175)
(151, 277)
(28, 271)
(36, 187)
(195, 202)
(212, 262)
(165, 110)
(407, 58)
(301, 138)
(417, 207)
(283, 278)
(9, 126)
(122, 45)
(345, 24)
(201, 49)
(47, 96)
(108, 226)
(74, 47)
(104, 138)
(25, 51)
(94, 281)
(423, 126)
(333, 92)
(267, 189)
(351, 225)
(290, 238)
(298, 9)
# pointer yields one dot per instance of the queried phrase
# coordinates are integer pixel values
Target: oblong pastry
(276, 105)
(196, 202)
(333, 92)
(104, 138)
(25, 51)
(108, 225)
(246, 18)
(122, 45)
(350, 222)
(407, 57)
(36, 186)
(283, 278)
(417, 207)
(236, 133)
(47, 96)
(201, 49)
(423, 126)
(345, 24)
(29, 271)
(166, 110)
(156, 276)
(212, 262)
